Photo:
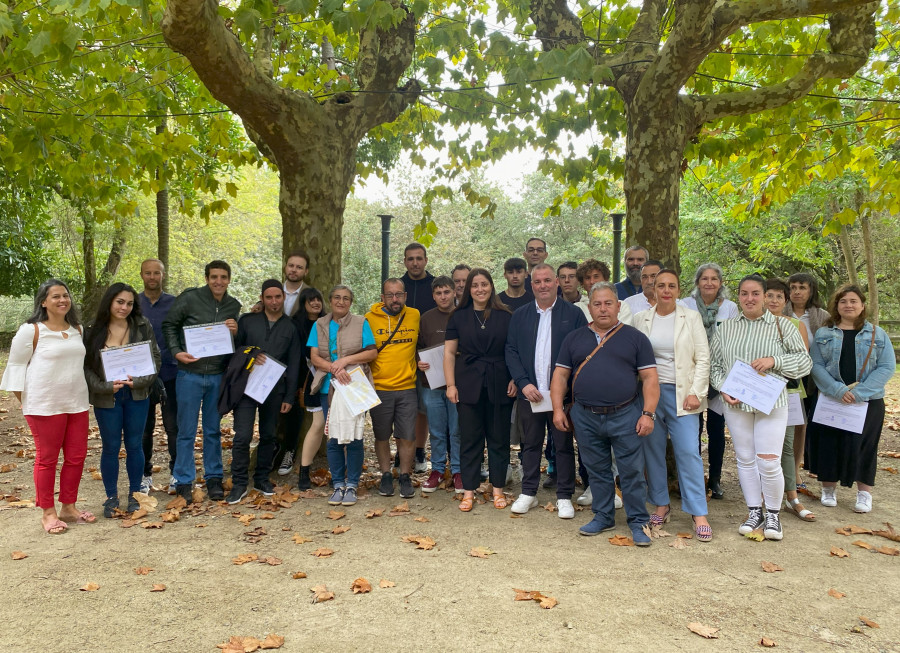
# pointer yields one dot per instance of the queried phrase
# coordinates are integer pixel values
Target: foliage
(24, 229)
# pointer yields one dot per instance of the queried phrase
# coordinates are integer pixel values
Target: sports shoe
(565, 508)
(337, 498)
(617, 501)
(265, 487)
(524, 503)
(407, 491)
(287, 464)
(237, 493)
(586, 498)
(304, 482)
(640, 538)
(386, 487)
(146, 484)
(420, 466)
(755, 520)
(828, 499)
(214, 489)
(110, 506)
(185, 491)
(133, 504)
(863, 502)
(431, 484)
(595, 527)
(349, 497)
(550, 482)
(773, 526)
(173, 485)
(457, 483)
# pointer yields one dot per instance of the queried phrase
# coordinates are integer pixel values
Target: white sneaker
(586, 498)
(287, 464)
(863, 502)
(523, 504)
(618, 502)
(564, 507)
(420, 467)
(173, 485)
(828, 499)
(146, 484)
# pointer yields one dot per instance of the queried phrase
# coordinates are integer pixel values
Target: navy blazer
(522, 338)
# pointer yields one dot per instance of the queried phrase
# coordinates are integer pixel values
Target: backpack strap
(37, 332)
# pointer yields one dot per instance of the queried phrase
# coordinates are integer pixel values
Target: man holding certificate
(209, 314)
(274, 333)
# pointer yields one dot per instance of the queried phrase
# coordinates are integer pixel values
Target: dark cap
(271, 283)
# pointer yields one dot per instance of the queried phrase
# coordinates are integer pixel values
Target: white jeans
(753, 434)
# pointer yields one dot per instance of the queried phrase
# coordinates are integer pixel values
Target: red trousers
(67, 432)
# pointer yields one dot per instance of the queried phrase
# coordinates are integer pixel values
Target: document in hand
(359, 394)
(131, 360)
(796, 414)
(832, 412)
(759, 391)
(203, 340)
(434, 356)
(263, 379)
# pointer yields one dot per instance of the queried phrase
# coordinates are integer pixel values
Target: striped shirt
(744, 339)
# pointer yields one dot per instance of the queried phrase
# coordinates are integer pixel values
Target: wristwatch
(647, 413)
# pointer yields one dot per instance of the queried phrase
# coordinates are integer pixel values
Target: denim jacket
(826, 355)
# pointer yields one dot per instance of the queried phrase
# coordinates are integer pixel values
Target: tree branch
(557, 26)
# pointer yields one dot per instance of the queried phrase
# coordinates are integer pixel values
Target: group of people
(561, 357)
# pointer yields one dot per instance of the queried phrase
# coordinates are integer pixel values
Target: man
(155, 305)
(635, 257)
(607, 410)
(459, 275)
(535, 252)
(590, 272)
(198, 381)
(396, 329)
(567, 276)
(274, 333)
(536, 332)
(516, 294)
(295, 270)
(442, 418)
(647, 298)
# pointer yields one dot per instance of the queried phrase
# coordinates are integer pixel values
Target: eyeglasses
(393, 295)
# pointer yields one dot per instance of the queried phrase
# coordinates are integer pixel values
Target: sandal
(57, 527)
(84, 517)
(796, 508)
(703, 531)
(659, 520)
(466, 504)
(500, 501)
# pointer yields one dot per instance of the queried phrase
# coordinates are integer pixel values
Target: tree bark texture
(162, 220)
(97, 282)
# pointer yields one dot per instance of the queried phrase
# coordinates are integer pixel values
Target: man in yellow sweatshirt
(396, 329)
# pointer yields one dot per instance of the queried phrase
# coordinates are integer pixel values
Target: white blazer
(691, 354)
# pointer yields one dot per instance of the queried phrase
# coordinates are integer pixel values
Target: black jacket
(280, 341)
(198, 306)
(418, 292)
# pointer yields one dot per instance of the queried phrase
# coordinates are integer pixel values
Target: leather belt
(606, 410)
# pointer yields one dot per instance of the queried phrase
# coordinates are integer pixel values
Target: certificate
(131, 360)
(796, 414)
(205, 340)
(832, 412)
(359, 393)
(434, 356)
(263, 378)
(759, 391)
(544, 405)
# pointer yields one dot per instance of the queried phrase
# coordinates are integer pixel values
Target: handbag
(568, 408)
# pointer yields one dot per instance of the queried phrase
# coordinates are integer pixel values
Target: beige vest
(349, 342)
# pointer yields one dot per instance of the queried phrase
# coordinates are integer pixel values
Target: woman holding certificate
(120, 403)
(44, 373)
(852, 362)
(766, 345)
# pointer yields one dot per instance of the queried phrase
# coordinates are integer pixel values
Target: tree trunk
(872, 305)
(849, 259)
(96, 283)
(162, 219)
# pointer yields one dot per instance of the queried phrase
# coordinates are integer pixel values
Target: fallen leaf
(621, 540)
(199, 496)
(422, 519)
(889, 533)
(868, 622)
(158, 587)
(90, 587)
(862, 545)
(127, 523)
(768, 643)
(140, 513)
(299, 539)
(94, 475)
(838, 552)
(547, 602)
(361, 586)
(403, 507)
(375, 513)
(422, 541)
(10, 467)
(340, 529)
(320, 477)
(267, 515)
(272, 561)
(386, 583)
(756, 536)
(836, 594)
(142, 571)
(704, 631)
(146, 502)
(321, 594)
(770, 567)
(322, 553)
(272, 641)
(523, 595)
(244, 558)
(886, 550)
(19, 555)
(889, 470)
(336, 514)
(679, 543)
(246, 519)
(685, 536)
(859, 530)
(172, 516)
(890, 454)
(152, 524)
(177, 504)
(308, 513)
(480, 552)
(549, 507)
(843, 530)
(298, 574)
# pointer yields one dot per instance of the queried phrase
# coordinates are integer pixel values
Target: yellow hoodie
(395, 367)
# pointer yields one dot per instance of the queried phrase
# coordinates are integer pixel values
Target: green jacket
(198, 306)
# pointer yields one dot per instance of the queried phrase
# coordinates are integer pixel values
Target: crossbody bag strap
(393, 333)
(591, 355)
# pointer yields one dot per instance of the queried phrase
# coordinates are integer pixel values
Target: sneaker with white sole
(863, 502)
(524, 503)
(173, 485)
(287, 464)
(773, 530)
(618, 502)
(829, 500)
(146, 484)
(420, 467)
(564, 508)
(755, 520)
(586, 498)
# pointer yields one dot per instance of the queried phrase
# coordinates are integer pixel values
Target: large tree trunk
(162, 220)
(96, 282)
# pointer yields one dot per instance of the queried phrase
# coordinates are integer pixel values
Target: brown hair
(834, 318)
(493, 303)
(589, 266)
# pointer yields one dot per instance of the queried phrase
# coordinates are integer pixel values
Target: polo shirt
(610, 377)
(368, 340)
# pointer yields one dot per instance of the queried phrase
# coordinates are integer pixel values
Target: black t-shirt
(481, 360)
(516, 302)
(847, 363)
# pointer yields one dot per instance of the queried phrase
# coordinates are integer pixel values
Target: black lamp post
(617, 219)
(385, 245)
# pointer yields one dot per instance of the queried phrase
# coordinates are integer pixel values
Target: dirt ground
(609, 597)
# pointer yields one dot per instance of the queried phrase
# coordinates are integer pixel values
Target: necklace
(480, 321)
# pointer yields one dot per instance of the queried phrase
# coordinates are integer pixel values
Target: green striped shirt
(744, 339)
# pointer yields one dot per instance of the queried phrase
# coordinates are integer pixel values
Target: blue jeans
(195, 390)
(345, 462)
(443, 423)
(124, 421)
(684, 432)
(596, 434)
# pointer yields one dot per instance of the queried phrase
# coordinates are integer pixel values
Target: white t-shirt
(662, 337)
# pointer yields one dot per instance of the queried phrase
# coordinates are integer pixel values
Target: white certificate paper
(205, 340)
(132, 360)
(759, 391)
(544, 405)
(796, 414)
(849, 417)
(263, 379)
(359, 394)
(434, 356)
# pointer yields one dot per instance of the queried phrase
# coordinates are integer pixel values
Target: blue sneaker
(338, 497)
(640, 537)
(596, 526)
(349, 498)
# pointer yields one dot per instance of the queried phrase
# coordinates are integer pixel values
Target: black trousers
(534, 427)
(170, 425)
(244, 417)
(479, 424)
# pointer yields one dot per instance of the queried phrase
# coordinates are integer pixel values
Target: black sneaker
(237, 493)
(265, 487)
(406, 487)
(550, 482)
(184, 490)
(304, 482)
(133, 504)
(772, 530)
(755, 520)
(214, 489)
(110, 506)
(386, 487)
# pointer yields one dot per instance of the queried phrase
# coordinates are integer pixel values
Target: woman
(777, 292)
(339, 341)
(710, 298)
(682, 362)
(852, 362)
(44, 373)
(771, 345)
(312, 307)
(120, 405)
(474, 359)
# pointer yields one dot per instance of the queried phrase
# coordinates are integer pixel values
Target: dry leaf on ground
(298, 574)
(756, 536)
(679, 543)
(336, 514)
(422, 541)
(621, 540)
(94, 475)
(685, 536)
(422, 519)
(272, 561)
(704, 631)
(550, 507)
(140, 513)
(337, 530)
(770, 567)
(176, 504)
(480, 552)
(244, 558)
(322, 553)
(836, 594)
(889, 533)
(146, 502)
(768, 643)
(889, 470)
(142, 571)
(862, 545)
(886, 550)
(152, 524)
(361, 586)
(378, 512)
(547, 602)
(299, 539)
(249, 644)
(868, 622)
(19, 555)
(544, 601)
(158, 587)
(403, 507)
(838, 552)
(321, 593)
(89, 587)
(272, 641)
(385, 583)
(246, 519)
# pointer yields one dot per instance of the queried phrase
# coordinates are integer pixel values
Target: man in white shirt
(646, 299)
(295, 270)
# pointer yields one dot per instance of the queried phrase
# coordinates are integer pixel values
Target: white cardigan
(691, 354)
